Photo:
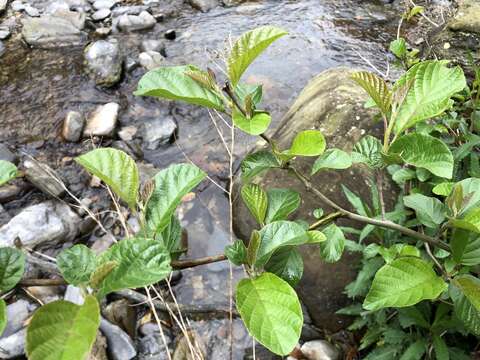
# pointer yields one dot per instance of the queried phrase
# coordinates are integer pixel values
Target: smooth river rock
(332, 103)
(50, 222)
(120, 345)
(73, 126)
(102, 121)
(467, 17)
(142, 21)
(103, 61)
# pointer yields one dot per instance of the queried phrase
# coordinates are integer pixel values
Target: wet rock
(128, 10)
(104, 62)
(101, 14)
(334, 105)
(3, 5)
(46, 294)
(74, 295)
(102, 121)
(103, 31)
(320, 350)
(73, 126)
(76, 18)
(49, 223)
(153, 45)
(2, 48)
(104, 4)
(159, 132)
(120, 345)
(122, 314)
(99, 349)
(127, 133)
(233, 2)
(31, 11)
(53, 6)
(4, 32)
(51, 31)
(9, 192)
(44, 178)
(151, 59)
(4, 216)
(17, 314)
(17, 5)
(204, 5)
(152, 346)
(467, 18)
(14, 345)
(131, 148)
(7, 155)
(103, 243)
(260, 353)
(170, 34)
(142, 21)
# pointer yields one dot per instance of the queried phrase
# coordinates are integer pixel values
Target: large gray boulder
(47, 223)
(332, 103)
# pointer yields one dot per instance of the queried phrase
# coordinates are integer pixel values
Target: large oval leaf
(271, 311)
(465, 292)
(369, 152)
(431, 84)
(116, 169)
(8, 171)
(62, 330)
(424, 151)
(139, 262)
(255, 163)
(286, 263)
(12, 265)
(307, 143)
(471, 221)
(376, 87)
(471, 194)
(465, 247)
(332, 159)
(77, 264)
(171, 184)
(430, 211)
(404, 282)
(281, 203)
(174, 83)
(278, 234)
(256, 125)
(256, 201)
(247, 47)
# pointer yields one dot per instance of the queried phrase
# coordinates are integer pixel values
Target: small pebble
(170, 34)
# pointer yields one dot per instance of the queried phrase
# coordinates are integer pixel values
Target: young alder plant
(266, 299)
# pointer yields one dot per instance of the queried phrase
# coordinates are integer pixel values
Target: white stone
(102, 121)
(319, 350)
(101, 14)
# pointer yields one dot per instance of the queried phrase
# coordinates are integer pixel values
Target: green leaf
(256, 201)
(247, 47)
(116, 169)
(253, 246)
(174, 83)
(286, 263)
(257, 125)
(331, 250)
(316, 237)
(171, 237)
(242, 90)
(236, 253)
(8, 171)
(3, 316)
(443, 189)
(414, 11)
(404, 282)
(410, 316)
(471, 221)
(318, 213)
(171, 185)
(12, 265)
(61, 330)
(424, 151)
(140, 262)
(398, 48)
(441, 349)
(271, 311)
(368, 151)
(430, 211)
(355, 201)
(415, 351)
(278, 234)
(307, 143)
(432, 86)
(465, 247)
(281, 203)
(332, 159)
(403, 175)
(77, 264)
(101, 272)
(376, 87)
(258, 162)
(464, 292)
(470, 188)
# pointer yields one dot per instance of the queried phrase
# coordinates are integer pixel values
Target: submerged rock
(159, 132)
(49, 223)
(142, 21)
(6, 154)
(102, 121)
(51, 31)
(204, 5)
(104, 62)
(332, 103)
(73, 126)
(151, 59)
